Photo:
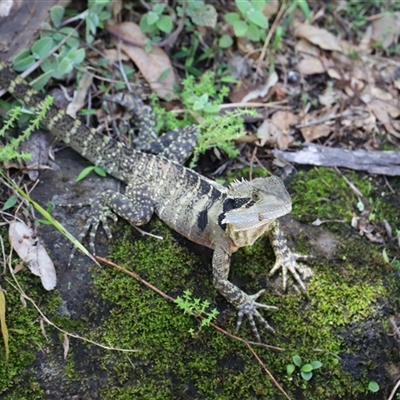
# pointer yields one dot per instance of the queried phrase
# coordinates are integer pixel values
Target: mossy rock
(342, 320)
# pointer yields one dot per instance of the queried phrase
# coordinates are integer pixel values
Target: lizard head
(253, 204)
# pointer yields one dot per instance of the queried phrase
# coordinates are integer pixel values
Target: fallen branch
(374, 162)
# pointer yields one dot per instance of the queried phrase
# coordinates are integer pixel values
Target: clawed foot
(287, 261)
(99, 213)
(249, 308)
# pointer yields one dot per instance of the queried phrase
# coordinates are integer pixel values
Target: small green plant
(154, 21)
(202, 100)
(159, 20)
(203, 97)
(305, 368)
(219, 131)
(86, 171)
(69, 55)
(9, 150)
(249, 22)
(196, 307)
(373, 386)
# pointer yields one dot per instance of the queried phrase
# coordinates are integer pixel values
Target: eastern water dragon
(221, 218)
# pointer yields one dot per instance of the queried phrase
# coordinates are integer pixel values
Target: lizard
(205, 212)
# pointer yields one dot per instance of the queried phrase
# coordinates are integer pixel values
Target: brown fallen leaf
(318, 36)
(80, 95)
(334, 74)
(379, 108)
(263, 90)
(3, 323)
(269, 133)
(115, 55)
(284, 120)
(155, 66)
(32, 252)
(329, 96)
(271, 8)
(66, 345)
(314, 132)
(310, 66)
(38, 145)
(303, 46)
(385, 30)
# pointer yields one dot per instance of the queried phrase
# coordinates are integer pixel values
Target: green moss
(171, 363)
(322, 193)
(245, 173)
(25, 335)
(339, 321)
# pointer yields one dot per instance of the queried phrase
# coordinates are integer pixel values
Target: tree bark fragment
(374, 162)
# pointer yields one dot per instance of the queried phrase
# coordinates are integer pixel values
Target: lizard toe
(287, 262)
(249, 309)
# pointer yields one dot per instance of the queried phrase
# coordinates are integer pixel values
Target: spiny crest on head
(236, 184)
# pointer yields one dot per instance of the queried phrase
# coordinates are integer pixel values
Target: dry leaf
(269, 133)
(115, 55)
(155, 66)
(284, 120)
(333, 73)
(80, 95)
(318, 36)
(310, 66)
(314, 132)
(263, 90)
(5, 7)
(385, 30)
(38, 145)
(66, 345)
(328, 97)
(3, 325)
(17, 268)
(379, 108)
(116, 8)
(304, 46)
(42, 328)
(29, 249)
(271, 8)
(380, 93)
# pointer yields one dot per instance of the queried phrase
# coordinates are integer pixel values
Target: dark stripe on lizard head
(241, 201)
(227, 205)
(230, 204)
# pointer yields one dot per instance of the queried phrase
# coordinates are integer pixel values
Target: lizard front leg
(136, 207)
(286, 258)
(246, 304)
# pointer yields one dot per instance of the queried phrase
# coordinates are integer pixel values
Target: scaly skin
(223, 219)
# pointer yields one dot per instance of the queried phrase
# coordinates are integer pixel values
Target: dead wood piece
(374, 162)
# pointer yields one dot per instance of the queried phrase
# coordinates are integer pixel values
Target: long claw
(249, 308)
(99, 215)
(287, 261)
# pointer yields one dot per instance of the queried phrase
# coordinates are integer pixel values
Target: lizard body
(223, 219)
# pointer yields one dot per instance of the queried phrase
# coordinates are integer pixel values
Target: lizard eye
(255, 196)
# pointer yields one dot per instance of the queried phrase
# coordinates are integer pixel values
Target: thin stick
(271, 31)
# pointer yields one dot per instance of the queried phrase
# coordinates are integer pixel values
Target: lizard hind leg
(108, 204)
